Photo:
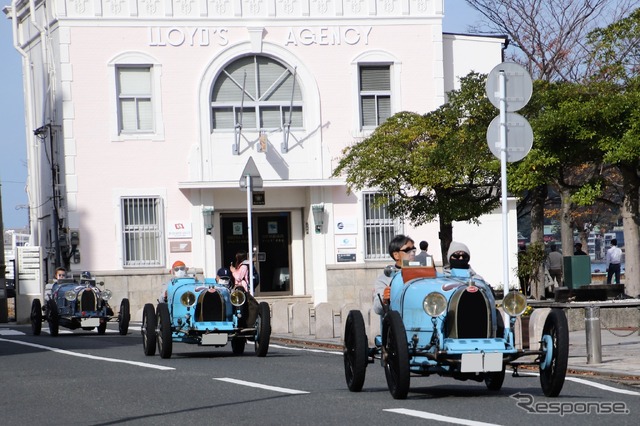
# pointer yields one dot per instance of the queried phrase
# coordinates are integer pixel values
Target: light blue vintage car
(449, 325)
(205, 313)
(78, 303)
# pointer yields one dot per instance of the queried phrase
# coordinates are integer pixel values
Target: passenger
(223, 276)
(401, 248)
(458, 257)
(240, 271)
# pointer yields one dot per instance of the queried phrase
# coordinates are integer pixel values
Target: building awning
(266, 184)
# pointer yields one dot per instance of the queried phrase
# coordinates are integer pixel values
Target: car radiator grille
(469, 315)
(88, 301)
(210, 307)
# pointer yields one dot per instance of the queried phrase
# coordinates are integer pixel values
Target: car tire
(494, 380)
(53, 317)
(263, 330)
(36, 317)
(355, 351)
(124, 317)
(396, 355)
(163, 325)
(102, 327)
(553, 372)
(149, 330)
(237, 345)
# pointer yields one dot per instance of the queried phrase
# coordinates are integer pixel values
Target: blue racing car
(449, 325)
(205, 313)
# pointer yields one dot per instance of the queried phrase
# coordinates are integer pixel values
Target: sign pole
(249, 232)
(503, 173)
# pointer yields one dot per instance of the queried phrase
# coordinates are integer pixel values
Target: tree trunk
(629, 211)
(446, 237)
(566, 228)
(537, 233)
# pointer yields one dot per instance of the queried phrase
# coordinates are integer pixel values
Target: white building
(151, 110)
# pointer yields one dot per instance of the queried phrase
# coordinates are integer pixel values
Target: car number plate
(481, 362)
(214, 339)
(90, 322)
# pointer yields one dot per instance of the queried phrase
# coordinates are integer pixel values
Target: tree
(436, 165)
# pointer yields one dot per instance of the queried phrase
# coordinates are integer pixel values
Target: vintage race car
(448, 324)
(78, 304)
(205, 313)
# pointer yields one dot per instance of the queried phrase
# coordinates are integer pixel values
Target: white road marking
(260, 386)
(98, 358)
(10, 332)
(592, 384)
(437, 417)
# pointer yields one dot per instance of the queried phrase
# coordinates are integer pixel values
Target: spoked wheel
(124, 317)
(53, 317)
(263, 330)
(494, 380)
(165, 344)
(555, 347)
(395, 355)
(355, 351)
(237, 345)
(149, 330)
(36, 317)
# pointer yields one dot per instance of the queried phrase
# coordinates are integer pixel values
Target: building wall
(191, 167)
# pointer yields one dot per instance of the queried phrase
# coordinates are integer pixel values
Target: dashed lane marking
(260, 386)
(437, 417)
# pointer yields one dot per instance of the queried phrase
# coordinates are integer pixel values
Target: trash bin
(577, 271)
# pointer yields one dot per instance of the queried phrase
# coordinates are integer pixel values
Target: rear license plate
(90, 322)
(481, 362)
(214, 339)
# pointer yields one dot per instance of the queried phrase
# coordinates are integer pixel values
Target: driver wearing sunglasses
(401, 248)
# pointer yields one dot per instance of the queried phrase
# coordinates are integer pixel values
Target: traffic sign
(519, 86)
(519, 137)
(251, 170)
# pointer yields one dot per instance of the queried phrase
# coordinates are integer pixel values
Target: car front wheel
(263, 330)
(149, 330)
(555, 347)
(36, 317)
(355, 351)
(124, 317)
(165, 344)
(53, 317)
(396, 355)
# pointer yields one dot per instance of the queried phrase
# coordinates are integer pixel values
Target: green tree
(432, 166)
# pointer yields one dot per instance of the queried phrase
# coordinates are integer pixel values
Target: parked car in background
(205, 313)
(449, 325)
(77, 304)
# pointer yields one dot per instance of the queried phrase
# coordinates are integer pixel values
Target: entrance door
(271, 239)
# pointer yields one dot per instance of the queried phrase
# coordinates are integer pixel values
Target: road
(81, 378)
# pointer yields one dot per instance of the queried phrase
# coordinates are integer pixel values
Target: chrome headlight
(434, 304)
(105, 295)
(188, 298)
(237, 298)
(514, 303)
(70, 295)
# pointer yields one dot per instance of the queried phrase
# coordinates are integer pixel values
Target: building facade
(144, 118)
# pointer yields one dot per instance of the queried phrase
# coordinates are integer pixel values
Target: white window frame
(130, 60)
(252, 109)
(377, 94)
(374, 58)
(379, 228)
(149, 250)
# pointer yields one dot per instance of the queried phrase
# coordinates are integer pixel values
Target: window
(375, 94)
(379, 226)
(142, 231)
(135, 111)
(256, 92)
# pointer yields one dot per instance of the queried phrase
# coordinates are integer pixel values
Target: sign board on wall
(180, 246)
(346, 225)
(346, 257)
(345, 241)
(179, 230)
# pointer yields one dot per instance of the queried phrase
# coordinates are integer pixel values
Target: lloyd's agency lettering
(328, 36)
(188, 36)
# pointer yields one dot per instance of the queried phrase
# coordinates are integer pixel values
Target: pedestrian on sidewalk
(613, 258)
(423, 255)
(554, 264)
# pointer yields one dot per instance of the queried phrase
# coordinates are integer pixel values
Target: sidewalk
(620, 351)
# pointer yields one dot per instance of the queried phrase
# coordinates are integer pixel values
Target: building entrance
(271, 241)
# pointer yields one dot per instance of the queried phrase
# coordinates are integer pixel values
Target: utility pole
(4, 306)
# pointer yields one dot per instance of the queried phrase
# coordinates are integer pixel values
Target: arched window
(256, 92)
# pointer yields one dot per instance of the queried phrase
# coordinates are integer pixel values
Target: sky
(13, 154)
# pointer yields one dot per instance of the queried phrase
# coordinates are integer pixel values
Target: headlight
(188, 298)
(514, 303)
(434, 304)
(70, 295)
(237, 298)
(105, 295)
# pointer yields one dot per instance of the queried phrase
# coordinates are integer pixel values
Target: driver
(401, 248)
(178, 270)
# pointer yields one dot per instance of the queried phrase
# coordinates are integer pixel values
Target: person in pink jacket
(240, 271)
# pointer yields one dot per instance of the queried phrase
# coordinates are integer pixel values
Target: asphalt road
(81, 378)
